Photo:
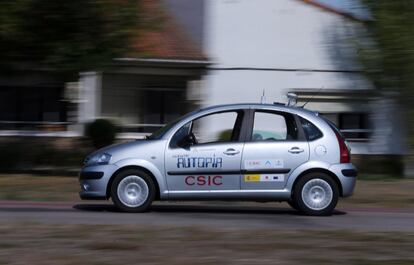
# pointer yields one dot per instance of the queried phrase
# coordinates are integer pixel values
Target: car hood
(114, 148)
(133, 149)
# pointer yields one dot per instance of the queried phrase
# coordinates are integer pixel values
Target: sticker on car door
(264, 177)
(263, 163)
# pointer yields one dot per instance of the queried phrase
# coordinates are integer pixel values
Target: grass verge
(38, 188)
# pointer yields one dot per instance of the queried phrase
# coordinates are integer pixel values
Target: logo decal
(264, 178)
(263, 163)
(204, 180)
(252, 178)
(199, 162)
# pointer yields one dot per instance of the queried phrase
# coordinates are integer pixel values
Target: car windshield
(158, 134)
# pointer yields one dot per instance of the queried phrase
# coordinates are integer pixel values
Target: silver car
(255, 152)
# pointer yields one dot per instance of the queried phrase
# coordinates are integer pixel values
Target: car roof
(276, 106)
(225, 107)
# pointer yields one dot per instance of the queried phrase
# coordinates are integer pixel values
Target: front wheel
(316, 194)
(133, 191)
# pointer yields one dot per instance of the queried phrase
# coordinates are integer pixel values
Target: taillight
(345, 156)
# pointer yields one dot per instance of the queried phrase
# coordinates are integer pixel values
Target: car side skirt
(229, 194)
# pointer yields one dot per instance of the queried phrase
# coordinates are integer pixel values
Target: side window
(218, 127)
(311, 131)
(269, 126)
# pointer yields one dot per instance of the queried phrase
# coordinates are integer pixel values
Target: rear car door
(275, 147)
(213, 161)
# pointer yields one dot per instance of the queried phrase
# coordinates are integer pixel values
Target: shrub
(100, 132)
(11, 155)
(28, 154)
(385, 165)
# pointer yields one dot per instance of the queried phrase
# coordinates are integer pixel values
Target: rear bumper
(346, 174)
(352, 173)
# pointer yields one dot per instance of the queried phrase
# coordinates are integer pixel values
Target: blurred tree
(68, 36)
(387, 54)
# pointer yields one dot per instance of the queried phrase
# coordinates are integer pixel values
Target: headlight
(98, 159)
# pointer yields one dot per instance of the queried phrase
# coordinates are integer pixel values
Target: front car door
(211, 163)
(275, 147)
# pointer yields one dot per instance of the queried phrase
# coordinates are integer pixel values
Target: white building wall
(281, 45)
(283, 34)
(89, 108)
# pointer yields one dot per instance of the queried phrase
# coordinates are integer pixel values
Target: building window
(162, 106)
(32, 108)
(354, 126)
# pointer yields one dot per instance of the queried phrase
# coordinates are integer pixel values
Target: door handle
(231, 152)
(295, 150)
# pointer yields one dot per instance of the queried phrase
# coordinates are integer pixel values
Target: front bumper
(346, 174)
(94, 181)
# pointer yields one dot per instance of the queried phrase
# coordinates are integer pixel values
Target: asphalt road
(217, 215)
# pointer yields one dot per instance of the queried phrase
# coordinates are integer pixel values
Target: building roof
(163, 37)
(328, 8)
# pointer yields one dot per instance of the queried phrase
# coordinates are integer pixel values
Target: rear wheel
(316, 194)
(133, 191)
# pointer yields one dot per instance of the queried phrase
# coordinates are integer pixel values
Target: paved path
(218, 215)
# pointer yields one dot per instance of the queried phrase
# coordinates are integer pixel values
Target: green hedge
(101, 132)
(27, 153)
(390, 166)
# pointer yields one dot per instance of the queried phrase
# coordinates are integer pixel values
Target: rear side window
(334, 128)
(311, 131)
(270, 126)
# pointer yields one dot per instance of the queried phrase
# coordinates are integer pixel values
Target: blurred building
(213, 52)
(300, 46)
(152, 85)
(140, 92)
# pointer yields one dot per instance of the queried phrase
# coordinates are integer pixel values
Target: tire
(293, 204)
(316, 194)
(133, 191)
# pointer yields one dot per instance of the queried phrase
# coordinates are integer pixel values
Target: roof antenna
(263, 98)
(317, 93)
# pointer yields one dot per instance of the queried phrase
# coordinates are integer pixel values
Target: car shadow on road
(195, 208)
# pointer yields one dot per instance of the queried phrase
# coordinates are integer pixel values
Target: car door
(275, 147)
(211, 162)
